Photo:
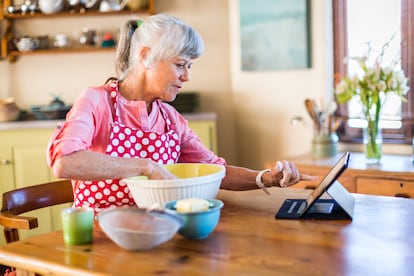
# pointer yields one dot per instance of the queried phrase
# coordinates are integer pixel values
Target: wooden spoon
(310, 107)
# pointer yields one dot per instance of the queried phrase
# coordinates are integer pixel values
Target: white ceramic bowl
(136, 229)
(194, 180)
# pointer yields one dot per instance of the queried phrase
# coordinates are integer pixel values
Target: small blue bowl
(197, 225)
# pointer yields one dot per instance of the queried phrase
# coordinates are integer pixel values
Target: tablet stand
(340, 205)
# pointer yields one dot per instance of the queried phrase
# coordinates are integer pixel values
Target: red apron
(127, 142)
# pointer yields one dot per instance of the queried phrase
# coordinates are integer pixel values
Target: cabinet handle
(312, 187)
(402, 195)
(5, 162)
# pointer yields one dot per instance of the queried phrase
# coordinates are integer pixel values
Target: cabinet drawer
(386, 187)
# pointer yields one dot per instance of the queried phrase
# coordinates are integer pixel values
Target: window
(347, 43)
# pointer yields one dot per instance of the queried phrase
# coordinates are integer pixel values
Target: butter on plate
(192, 205)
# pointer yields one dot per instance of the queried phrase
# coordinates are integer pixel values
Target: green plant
(371, 86)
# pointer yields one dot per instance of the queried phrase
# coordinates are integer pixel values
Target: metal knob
(5, 162)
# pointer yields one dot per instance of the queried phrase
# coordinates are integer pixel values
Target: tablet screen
(327, 181)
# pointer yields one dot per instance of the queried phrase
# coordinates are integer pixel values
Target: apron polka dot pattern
(127, 142)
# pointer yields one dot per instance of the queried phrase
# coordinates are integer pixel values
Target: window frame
(390, 136)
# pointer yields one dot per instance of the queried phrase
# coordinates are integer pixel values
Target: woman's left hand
(285, 174)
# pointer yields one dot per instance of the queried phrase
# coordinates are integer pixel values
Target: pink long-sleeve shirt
(88, 125)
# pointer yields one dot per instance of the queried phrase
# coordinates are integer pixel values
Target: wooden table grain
(247, 241)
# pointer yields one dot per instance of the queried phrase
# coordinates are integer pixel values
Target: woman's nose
(185, 76)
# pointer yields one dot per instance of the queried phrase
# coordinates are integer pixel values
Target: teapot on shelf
(80, 5)
(25, 43)
(112, 5)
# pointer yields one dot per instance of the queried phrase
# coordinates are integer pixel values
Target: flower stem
(373, 150)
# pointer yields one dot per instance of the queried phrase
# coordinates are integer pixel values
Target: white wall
(210, 75)
(254, 109)
(265, 102)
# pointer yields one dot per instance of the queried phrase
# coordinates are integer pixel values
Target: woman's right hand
(157, 171)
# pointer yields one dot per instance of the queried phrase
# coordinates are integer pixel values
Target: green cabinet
(23, 163)
(206, 131)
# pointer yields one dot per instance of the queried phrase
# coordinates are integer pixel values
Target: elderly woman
(124, 128)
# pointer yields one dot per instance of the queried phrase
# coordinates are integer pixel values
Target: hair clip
(133, 25)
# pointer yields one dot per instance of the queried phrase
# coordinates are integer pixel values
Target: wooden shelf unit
(8, 21)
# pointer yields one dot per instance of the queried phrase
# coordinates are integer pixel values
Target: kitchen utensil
(313, 113)
(51, 6)
(28, 6)
(61, 41)
(8, 110)
(56, 109)
(46, 113)
(44, 42)
(112, 5)
(25, 44)
(80, 5)
(88, 37)
(108, 40)
(199, 224)
(138, 229)
(194, 180)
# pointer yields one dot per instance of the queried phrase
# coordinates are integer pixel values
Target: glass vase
(372, 136)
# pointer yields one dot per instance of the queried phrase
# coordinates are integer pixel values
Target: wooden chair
(30, 198)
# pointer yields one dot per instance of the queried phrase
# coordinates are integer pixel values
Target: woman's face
(166, 78)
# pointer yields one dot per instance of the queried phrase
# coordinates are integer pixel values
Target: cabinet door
(206, 131)
(25, 152)
(30, 165)
(386, 187)
(30, 168)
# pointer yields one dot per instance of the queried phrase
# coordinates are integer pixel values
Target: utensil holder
(324, 145)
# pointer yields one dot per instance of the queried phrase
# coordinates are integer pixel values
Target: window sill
(386, 148)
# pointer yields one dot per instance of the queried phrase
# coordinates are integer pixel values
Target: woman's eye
(180, 66)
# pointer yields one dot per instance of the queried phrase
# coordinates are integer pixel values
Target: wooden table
(247, 241)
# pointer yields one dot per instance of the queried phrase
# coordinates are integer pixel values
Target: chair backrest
(31, 198)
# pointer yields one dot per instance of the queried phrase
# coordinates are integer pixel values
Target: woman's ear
(144, 57)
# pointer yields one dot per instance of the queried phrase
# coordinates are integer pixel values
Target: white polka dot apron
(127, 142)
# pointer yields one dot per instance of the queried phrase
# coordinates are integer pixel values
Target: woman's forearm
(239, 179)
(87, 165)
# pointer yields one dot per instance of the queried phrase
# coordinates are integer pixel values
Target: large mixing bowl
(137, 229)
(195, 180)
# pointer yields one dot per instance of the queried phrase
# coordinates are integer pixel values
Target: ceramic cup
(77, 225)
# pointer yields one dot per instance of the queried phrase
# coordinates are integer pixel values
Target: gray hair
(166, 36)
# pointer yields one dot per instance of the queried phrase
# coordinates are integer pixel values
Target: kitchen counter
(38, 124)
(394, 176)
(35, 124)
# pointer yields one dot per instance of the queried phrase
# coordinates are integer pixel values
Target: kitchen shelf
(13, 55)
(9, 19)
(73, 14)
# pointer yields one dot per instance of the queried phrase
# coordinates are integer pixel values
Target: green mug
(77, 225)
